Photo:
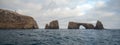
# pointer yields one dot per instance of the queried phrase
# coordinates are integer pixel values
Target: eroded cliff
(13, 20)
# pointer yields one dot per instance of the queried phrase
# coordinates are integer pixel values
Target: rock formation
(74, 25)
(99, 25)
(46, 26)
(13, 20)
(53, 25)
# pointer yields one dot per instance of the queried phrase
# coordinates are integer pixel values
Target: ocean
(59, 37)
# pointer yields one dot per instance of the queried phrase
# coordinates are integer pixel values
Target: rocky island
(99, 25)
(13, 20)
(53, 25)
(75, 25)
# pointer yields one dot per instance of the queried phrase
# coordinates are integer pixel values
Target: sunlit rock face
(74, 25)
(13, 20)
(52, 25)
(99, 25)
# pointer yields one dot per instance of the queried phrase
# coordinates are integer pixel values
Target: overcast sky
(88, 11)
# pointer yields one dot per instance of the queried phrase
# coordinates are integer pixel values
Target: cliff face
(46, 26)
(99, 25)
(53, 25)
(13, 20)
(74, 25)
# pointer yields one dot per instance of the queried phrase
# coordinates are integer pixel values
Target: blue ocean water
(59, 37)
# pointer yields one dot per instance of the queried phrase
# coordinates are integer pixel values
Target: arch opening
(82, 27)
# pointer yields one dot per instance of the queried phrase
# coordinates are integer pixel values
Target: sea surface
(59, 37)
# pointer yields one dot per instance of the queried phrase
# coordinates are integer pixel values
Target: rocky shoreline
(13, 20)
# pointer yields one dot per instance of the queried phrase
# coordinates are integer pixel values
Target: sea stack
(52, 25)
(13, 20)
(46, 26)
(99, 25)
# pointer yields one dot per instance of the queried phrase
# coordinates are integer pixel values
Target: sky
(83, 11)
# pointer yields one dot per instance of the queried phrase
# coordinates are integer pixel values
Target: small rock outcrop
(99, 25)
(46, 26)
(74, 25)
(13, 20)
(52, 25)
